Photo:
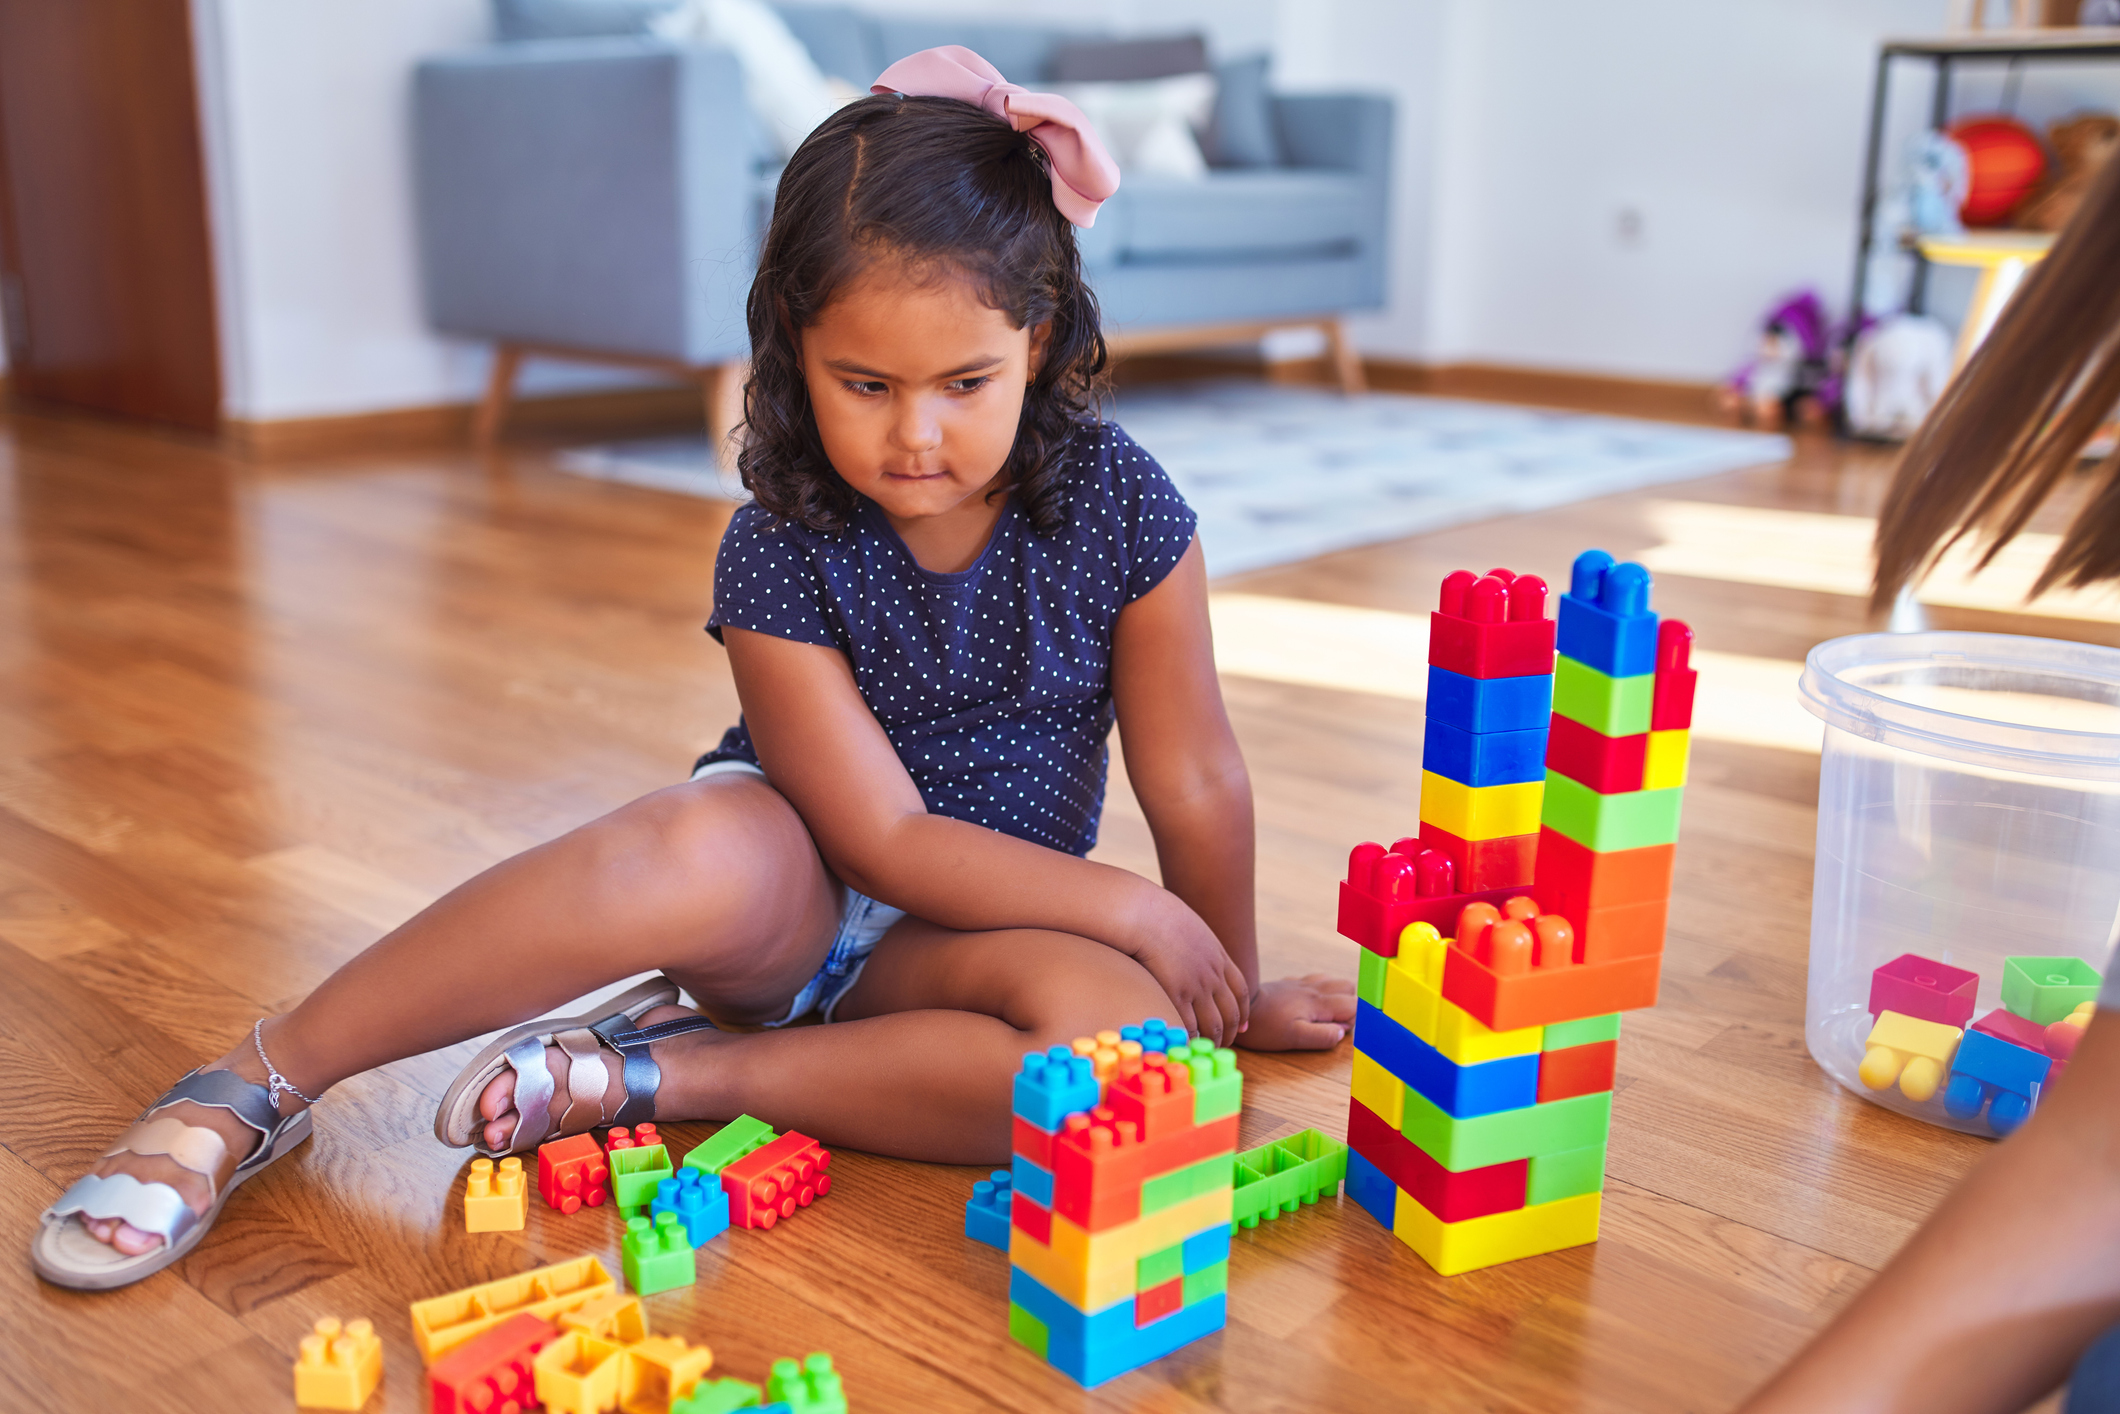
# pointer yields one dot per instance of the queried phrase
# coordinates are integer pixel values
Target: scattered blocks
(338, 1367)
(442, 1323)
(813, 1387)
(655, 1256)
(1918, 986)
(986, 1214)
(496, 1200)
(1492, 626)
(1915, 1053)
(699, 1202)
(2045, 989)
(770, 1183)
(1604, 617)
(615, 1317)
(719, 1397)
(492, 1371)
(573, 1174)
(657, 1371)
(639, 1137)
(578, 1373)
(635, 1174)
(731, 1142)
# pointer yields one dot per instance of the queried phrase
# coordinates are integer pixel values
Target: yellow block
(441, 1323)
(1667, 759)
(496, 1200)
(1093, 1270)
(1413, 998)
(1914, 1052)
(1480, 812)
(618, 1317)
(658, 1371)
(1499, 1237)
(578, 1374)
(338, 1367)
(1381, 1093)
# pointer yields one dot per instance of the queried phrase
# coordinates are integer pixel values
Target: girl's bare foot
(497, 1102)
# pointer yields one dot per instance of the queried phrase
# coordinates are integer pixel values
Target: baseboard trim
(1666, 400)
(447, 426)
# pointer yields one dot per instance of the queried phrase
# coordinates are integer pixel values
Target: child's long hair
(949, 189)
(2013, 423)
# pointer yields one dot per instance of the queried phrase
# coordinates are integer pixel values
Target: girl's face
(917, 386)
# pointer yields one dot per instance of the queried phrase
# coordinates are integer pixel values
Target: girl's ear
(1041, 340)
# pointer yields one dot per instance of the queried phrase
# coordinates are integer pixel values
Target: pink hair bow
(1084, 174)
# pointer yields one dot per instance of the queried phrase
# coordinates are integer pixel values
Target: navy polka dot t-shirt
(993, 684)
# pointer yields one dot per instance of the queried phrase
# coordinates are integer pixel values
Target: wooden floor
(250, 718)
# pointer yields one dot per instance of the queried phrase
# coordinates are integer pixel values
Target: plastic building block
(1507, 862)
(2045, 989)
(769, 1184)
(492, 1372)
(1159, 1301)
(639, 1137)
(1665, 766)
(573, 1174)
(338, 1367)
(1032, 1218)
(1204, 1249)
(812, 1387)
(1276, 1179)
(1608, 765)
(1378, 1089)
(986, 1214)
(1031, 1179)
(2063, 1036)
(1092, 1348)
(578, 1373)
(1387, 891)
(1505, 704)
(1452, 1248)
(1217, 1084)
(1672, 709)
(1155, 1035)
(1413, 998)
(1369, 976)
(1610, 705)
(1208, 1281)
(616, 1317)
(1159, 1267)
(442, 1323)
(1577, 1070)
(1610, 823)
(1460, 1090)
(2015, 1029)
(655, 1255)
(1519, 972)
(1604, 618)
(635, 1175)
(1156, 1097)
(657, 1371)
(1567, 1174)
(1053, 1085)
(719, 1397)
(1483, 758)
(1914, 1052)
(496, 1200)
(1369, 1186)
(1453, 1196)
(1493, 626)
(1987, 1068)
(1574, 879)
(699, 1202)
(1189, 1182)
(1913, 985)
(731, 1142)
(1100, 1164)
(1094, 1269)
(1563, 1034)
(1481, 812)
(1460, 1144)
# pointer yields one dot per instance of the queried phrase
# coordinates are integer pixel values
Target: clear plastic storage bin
(1969, 815)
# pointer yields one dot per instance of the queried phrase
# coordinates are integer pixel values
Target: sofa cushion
(1241, 133)
(1023, 53)
(573, 19)
(1127, 60)
(1238, 214)
(840, 38)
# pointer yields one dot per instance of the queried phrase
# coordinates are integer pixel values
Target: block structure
(1494, 965)
(1122, 1197)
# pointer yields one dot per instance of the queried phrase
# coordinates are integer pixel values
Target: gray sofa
(598, 195)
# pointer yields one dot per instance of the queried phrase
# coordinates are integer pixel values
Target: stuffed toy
(1789, 371)
(2082, 144)
(1938, 178)
(1895, 376)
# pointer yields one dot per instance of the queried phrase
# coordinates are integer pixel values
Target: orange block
(1630, 930)
(1587, 1069)
(1545, 995)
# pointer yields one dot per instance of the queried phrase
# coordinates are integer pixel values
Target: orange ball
(2005, 162)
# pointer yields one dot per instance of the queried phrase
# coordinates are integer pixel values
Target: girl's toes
(499, 1131)
(133, 1242)
(102, 1229)
(498, 1098)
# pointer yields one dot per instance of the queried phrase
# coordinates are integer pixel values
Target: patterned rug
(1283, 473)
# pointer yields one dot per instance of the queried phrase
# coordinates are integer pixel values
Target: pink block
(2017, 1030)
(1918, 986)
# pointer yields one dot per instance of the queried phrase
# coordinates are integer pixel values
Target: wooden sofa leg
(722, 387)
(1346, 363)
(500, 389)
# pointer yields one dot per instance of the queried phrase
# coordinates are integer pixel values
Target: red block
(572, 1174)
(1505, 863)
(1100, 1163)
(1574, 879)
(1453, 1197)
(1672, 707)
(490, 1373)
(1385, 891)
(1494, 626)
(1158, 1301)
(1153, 1096)
(1577, 1070)
(1609, 765)
(619, 1137)
(1033, 1143)
(769, 1184)
(2003, 1025)
(1918, 986)
(1544, 995)
(1032, 1218)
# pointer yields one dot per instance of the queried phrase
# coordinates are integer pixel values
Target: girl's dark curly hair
(936, 183)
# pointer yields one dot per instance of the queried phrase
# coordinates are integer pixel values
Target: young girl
(951, 582)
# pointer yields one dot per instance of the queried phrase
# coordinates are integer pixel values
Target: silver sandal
(65, 1253)
(584, 1038)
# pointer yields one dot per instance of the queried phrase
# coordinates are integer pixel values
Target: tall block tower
(1123, 1188)
(1497, 957)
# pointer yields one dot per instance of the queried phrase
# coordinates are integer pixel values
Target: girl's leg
(715, 881)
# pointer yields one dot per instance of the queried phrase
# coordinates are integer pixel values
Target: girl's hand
(1312, 1013)
(1195, 971)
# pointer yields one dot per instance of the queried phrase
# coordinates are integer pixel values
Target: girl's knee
(719, 828)
(1098, 989)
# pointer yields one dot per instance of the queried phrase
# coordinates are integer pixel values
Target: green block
(1568, 1174)
(1614, 706)
(1551, 1128)
(656, 1256)
(1253, 1198)
(2045, 989)
(634, 1174)
(1206, 1282)
(1279, 1177)
(1560, 1035)
(1607, 823)
(1159, 1267)
(717, 1397)
(810, 1386)
(1369, 982)
(1026, 1329)
(731, 1142)
(1218, 1086)
(1170, 1189)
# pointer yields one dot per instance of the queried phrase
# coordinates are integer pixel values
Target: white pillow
(787, 90)
(1152, 126)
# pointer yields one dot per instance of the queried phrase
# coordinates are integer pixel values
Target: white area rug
(1280, 473)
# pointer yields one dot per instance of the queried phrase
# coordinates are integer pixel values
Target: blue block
(1032, 1182)
(1155, 1034)
(1053, 1085)
(986, 1212)
(1997, 1075)
(1098, 1347)
(1605, 621)
(1204, 1249)
(1461, 1091)
(699, 1202)
(1519, 704)
(1373, 1189)
(1484, 758)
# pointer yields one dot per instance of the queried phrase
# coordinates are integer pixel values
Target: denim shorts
(862, 923)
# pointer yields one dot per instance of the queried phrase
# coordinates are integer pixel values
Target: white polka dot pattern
(993, 684)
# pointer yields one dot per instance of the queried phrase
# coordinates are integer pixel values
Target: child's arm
(823, 749)
(1988, 1306)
